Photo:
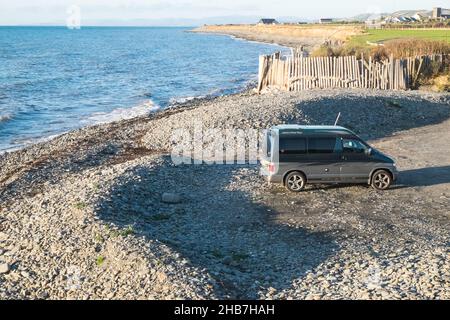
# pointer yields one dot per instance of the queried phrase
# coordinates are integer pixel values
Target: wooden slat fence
(297, 72)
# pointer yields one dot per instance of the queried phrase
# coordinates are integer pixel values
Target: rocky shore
(87, 215)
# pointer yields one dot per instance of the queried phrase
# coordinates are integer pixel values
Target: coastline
(20, 128)
(240, 37)
(293, 36)
(95, 120)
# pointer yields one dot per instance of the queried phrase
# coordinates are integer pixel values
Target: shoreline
(128, 105)
(308, 37)
(242, 38)
(179, 102)
(249, 86)
(195, 103)
(156, 110)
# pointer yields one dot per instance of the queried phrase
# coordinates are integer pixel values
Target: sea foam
(5, 117)
(122, 113)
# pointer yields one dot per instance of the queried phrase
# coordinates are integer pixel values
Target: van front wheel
(295, 181)
(381, 180)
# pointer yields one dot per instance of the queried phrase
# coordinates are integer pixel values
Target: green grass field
(391, 34)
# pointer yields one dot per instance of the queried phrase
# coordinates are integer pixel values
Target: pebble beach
(87, 214)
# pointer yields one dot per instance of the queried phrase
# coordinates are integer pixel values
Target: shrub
(436, 78)
(323, 51)
(416, 47)
(442, 83)
(379, 53)
(398, 48)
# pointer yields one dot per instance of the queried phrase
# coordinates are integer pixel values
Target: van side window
(292, 145)
(353, 146)
(321, 145)
(269, 145)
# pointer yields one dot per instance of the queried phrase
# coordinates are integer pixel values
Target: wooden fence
(296, 72)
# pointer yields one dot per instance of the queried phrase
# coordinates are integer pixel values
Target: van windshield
(353, 146)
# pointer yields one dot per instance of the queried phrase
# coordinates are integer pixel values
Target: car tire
(381, 180)
(295, 181)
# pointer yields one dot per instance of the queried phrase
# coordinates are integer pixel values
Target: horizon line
(97, 26)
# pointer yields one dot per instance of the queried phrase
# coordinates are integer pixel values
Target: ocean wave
(122, 113)
(96, 118)
(5, 117)
(182, 100)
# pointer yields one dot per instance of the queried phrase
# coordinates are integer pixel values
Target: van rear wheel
(381, 180)
(295, 181)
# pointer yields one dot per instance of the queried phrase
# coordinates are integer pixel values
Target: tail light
(271, 167)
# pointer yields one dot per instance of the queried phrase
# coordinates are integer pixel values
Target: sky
(31, 12)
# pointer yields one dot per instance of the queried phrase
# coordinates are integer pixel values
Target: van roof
(290, 128)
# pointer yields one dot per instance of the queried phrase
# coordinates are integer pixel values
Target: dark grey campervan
(295, 155)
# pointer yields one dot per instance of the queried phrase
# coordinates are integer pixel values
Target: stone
(161, 276)
(3, 236)
(171, 198)
(4, 268)
(227, 260)
(234, 263)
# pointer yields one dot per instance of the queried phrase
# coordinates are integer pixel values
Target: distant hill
(363, 17)
(174, 22)
(230, 19)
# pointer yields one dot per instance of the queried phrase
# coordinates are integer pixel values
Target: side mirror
(369, 151)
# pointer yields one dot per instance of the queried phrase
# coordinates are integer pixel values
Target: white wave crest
(122, 113)
(5, 117)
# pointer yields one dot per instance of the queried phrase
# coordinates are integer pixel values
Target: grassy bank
(383, 35)
(398, 48)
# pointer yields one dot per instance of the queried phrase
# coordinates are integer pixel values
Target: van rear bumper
(273, 178)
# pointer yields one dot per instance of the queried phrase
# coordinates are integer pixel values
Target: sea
(55, 79)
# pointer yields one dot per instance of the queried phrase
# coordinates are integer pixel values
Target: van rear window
(292, 145)
(321, 145)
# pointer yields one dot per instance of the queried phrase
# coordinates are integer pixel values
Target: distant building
(421, 16)
(325, 20)
(440, 13)
(408, 16)
(268, 21)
